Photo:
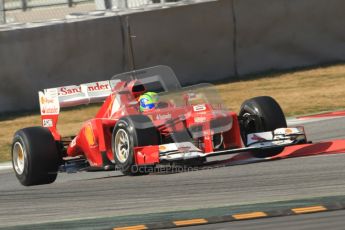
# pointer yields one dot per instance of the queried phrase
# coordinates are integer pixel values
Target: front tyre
(129, 132)
(261, 114)
(35, 156)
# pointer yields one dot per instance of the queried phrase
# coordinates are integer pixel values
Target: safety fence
(12, 11)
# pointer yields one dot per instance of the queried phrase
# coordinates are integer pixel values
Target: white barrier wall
(195, 40)
(284, 34)
(32, 59)
(203, 42)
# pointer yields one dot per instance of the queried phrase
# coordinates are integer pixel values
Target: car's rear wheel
(35, 156)
(260, 114)
(129, 132)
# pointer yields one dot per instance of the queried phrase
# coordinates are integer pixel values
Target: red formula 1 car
(188, 125)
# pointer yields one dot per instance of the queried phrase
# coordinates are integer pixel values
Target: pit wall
(202, 41)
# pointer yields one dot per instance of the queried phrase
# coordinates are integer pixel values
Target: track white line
(5, 166)
(296, 121)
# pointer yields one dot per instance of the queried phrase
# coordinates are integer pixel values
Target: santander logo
(50, 110)
(91, 87)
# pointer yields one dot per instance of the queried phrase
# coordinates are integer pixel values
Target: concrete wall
(195, 40)
(32, 59)
(208, 41)
(283, 34)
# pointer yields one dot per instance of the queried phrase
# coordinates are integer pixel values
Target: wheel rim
(19, 156)
(121, 145)
(250, 123)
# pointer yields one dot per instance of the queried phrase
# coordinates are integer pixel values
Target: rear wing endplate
(51, 100)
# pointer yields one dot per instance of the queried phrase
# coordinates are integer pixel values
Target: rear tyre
(35, 156)
(129, 132)
(260, 114)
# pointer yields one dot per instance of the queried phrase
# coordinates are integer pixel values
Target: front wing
(186, 150)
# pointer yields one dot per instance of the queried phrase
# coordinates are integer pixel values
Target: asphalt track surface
(120, 200)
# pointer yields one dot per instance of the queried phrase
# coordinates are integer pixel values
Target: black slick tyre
(261, 114)
(35, 156)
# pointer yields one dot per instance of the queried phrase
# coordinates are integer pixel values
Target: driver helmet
(148, 101)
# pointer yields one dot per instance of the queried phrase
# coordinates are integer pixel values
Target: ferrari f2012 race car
(188, 125)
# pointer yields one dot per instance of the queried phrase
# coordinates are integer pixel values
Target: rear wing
(51, 100)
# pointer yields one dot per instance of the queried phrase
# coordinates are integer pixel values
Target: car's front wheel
(261, 114)
(129, 132)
